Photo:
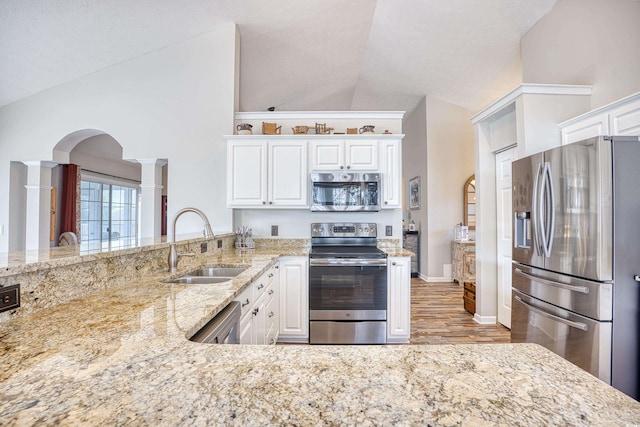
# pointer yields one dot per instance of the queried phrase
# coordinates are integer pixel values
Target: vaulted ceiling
(295, 55)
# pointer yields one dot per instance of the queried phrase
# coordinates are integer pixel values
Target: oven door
(347, 290)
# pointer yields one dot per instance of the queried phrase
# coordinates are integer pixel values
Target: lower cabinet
(294, 299)
(398, 299)
(259, 309)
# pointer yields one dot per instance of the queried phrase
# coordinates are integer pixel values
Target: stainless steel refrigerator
(576, 256)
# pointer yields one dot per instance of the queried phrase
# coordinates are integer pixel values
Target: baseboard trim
(436, 279)
(485, 320)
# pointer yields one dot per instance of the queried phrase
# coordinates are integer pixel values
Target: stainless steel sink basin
(206, 275)
(198, 280)
(217, 271)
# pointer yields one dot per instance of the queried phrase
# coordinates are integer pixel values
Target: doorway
(504, 233)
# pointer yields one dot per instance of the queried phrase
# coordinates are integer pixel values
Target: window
(109, 215)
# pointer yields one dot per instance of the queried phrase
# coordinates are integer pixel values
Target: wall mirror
(469, 215)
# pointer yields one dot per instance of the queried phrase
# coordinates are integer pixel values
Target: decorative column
(151, 197)
(38, 210)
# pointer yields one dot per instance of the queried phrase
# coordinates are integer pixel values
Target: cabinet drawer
(469, 295)
(470, 286)
(246, 300)
(470, 305)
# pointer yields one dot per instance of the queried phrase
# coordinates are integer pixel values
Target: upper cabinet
(619, 118)
(267, 173)
(344, 155)
(272, 170)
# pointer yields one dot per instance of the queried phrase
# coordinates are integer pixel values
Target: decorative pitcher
(244, 129)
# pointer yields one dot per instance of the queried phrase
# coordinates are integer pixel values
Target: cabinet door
(391, 160)
(288, 174)
(294, 299)
(399, 299)
(246, 173)
(361, 155)
(246, 329)
(588, 128)
(327, 155)
(625, 120)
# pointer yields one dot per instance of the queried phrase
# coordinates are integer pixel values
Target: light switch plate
(274, 230)
(388, 230)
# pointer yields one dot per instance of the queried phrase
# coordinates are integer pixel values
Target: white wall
(174, 103)
(414, 163)
(594, 42)
(449, 164)
(296, 223)
(103, 154)
(438, 147)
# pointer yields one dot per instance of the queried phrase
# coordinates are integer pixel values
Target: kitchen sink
(207, 275)
(198, 280)
(217, 271)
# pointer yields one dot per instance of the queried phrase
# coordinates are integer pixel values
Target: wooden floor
(438, 317)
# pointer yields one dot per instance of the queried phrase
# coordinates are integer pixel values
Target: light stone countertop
(121, 357)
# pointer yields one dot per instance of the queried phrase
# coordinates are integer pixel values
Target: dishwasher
(222, 329)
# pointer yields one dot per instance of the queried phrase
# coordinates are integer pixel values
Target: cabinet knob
(348, 167)
(341, 167)
(393, 263)
(270, 203)
(386, 203)
(264, 203)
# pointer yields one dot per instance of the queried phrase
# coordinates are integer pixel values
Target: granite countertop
(121, 356)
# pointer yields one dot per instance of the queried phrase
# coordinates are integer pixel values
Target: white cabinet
(619, 118)
(332, 154)
(294, 299)
(266, 173)
(259, 316)
(398, 299)
(391, 159)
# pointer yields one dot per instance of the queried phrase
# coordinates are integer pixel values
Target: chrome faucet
(174, 257)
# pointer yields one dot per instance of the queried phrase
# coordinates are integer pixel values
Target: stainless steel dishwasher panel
(222, 329)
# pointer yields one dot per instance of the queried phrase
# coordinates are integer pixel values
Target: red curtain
(69, 197)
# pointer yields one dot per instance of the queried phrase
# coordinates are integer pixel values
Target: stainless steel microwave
(345, 192)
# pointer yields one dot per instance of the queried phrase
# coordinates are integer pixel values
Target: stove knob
(366, 229)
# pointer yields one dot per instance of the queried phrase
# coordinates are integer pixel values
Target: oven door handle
(317, 262)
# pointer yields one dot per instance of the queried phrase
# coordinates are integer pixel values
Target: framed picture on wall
(414, 193)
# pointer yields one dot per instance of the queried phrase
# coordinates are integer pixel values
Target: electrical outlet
(274, 230)
(219, 243)
(9, 297)
(203, 247)
(388, 230)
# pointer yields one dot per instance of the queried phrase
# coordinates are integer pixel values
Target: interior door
(504, 193)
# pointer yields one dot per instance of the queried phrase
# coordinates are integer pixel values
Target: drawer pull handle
(271, 314)
(270, 275)
(260, 286)
(246, 302)
(255, 311)
(271, 292)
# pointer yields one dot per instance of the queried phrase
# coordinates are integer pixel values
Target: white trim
(530, 88)
(485, 320)
(153, 186)
(319, 115)
(431, 279)
(600, 110)
(311, 136)
(38, 187)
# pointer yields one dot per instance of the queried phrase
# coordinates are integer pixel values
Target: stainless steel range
(347, 285)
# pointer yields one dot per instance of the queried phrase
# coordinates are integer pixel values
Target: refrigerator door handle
(551, 212)
(577, 325)
(535, 202)
(573, 288)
